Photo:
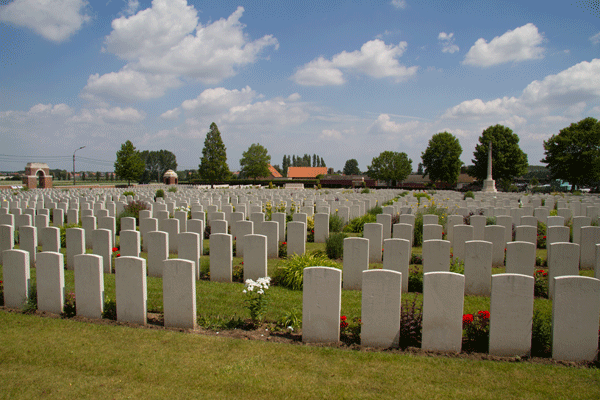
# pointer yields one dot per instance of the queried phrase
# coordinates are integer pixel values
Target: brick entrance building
(37, 175)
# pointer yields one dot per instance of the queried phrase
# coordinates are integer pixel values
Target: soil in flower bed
(264, 332)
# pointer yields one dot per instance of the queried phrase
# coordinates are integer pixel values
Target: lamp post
(74, 163)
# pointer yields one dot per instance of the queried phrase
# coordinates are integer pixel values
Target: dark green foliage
(336, 223)
(508, 160)
(541, 235)
(351, 167)
(469, 194)
(441, 159)
(540, 288)
(574, 154)
(411, 323)
(334, 245)
(290, 272)
(390, 166)
(255, 162)
(357, 225)
(156, 164)
(375, 210)
(476, 332)
(219, 323)
(31, 305)
(415, 279)
(129, 164)
(541, 334)
(213, 163)
(418, 231)
(110, 310)
(63, 234)
(160, 193)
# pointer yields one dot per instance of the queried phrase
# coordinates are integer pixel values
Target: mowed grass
(59, 358)
(56, 358)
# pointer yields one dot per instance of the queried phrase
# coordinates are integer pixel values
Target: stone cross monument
(489, 185)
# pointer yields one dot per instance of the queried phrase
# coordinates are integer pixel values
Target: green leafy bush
(70, 307)
(31, 305)
(476, 331)
(160, 193)
(63, 234)
(540, 288)
(336, 223)
(129, 193)
(357, 225)
(415, 280)
(172, 189)
(541, 334)
(290, 272)
(541, 235)
(334, 245)
(110, 310)
(469, 194)
(419, 196)
(375, 210)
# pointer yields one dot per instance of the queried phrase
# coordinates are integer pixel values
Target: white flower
(260, 291)
(244, 291)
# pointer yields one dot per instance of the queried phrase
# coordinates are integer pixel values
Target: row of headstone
(576, 311)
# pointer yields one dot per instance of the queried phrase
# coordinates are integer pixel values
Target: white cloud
(374, 59)
(54, 20)
(219, 99)
(575, 84)
(166, 42)
(521, 44)
(447, 42)
(294, 97)
(595, 39)
(478, 108)
(57, 109)
(171, 114)
(267, 112)
(399, 4)
(131, 7)
(128, 85)
(384, 125)
(330, 134)
(101, 116)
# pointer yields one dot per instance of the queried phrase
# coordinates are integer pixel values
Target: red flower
(343, 324)
(284, 243)
(540, 271)
(115, 249)
(467, 318)
(119, 255)
(242, 263)
(544, 237)
(545, 274)
(343, 318)
(484, 314)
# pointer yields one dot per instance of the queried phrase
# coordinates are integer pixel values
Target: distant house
(274, 173)
(306, 172)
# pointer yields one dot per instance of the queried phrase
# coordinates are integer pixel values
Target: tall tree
(255, 162)
(441, 159)
(285, 164)
(508, 160)
(157, 163)
(323, 162)
(294, 161)
(213, 163)
(574, 154)
(314, 160)
(351, 167)
(390, 166)
(129, 164)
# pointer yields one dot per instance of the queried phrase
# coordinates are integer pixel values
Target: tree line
(572, 155)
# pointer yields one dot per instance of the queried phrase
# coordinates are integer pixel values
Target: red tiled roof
(306, 172)
(274, 172)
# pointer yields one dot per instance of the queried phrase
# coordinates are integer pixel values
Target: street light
(74, 163)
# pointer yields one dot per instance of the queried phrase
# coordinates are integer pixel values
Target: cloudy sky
(336, 78)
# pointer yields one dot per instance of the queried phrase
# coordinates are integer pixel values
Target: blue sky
(340, 79)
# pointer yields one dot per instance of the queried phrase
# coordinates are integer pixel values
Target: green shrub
(160, 193)
(415, 280)
(172, 189)
(469, 194)
(336, 223)
(457, 266)
(31, 305)
(70, 307)
(490, 221)
(63, 234)
(375, 210)
(290, 272)
(476, 331)
(129, 193)
(541, 235)
(365, 190)
(419, 196)
(334, 245)
(110, 310)
(540, 288)
(541, 334)
(357, 225)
